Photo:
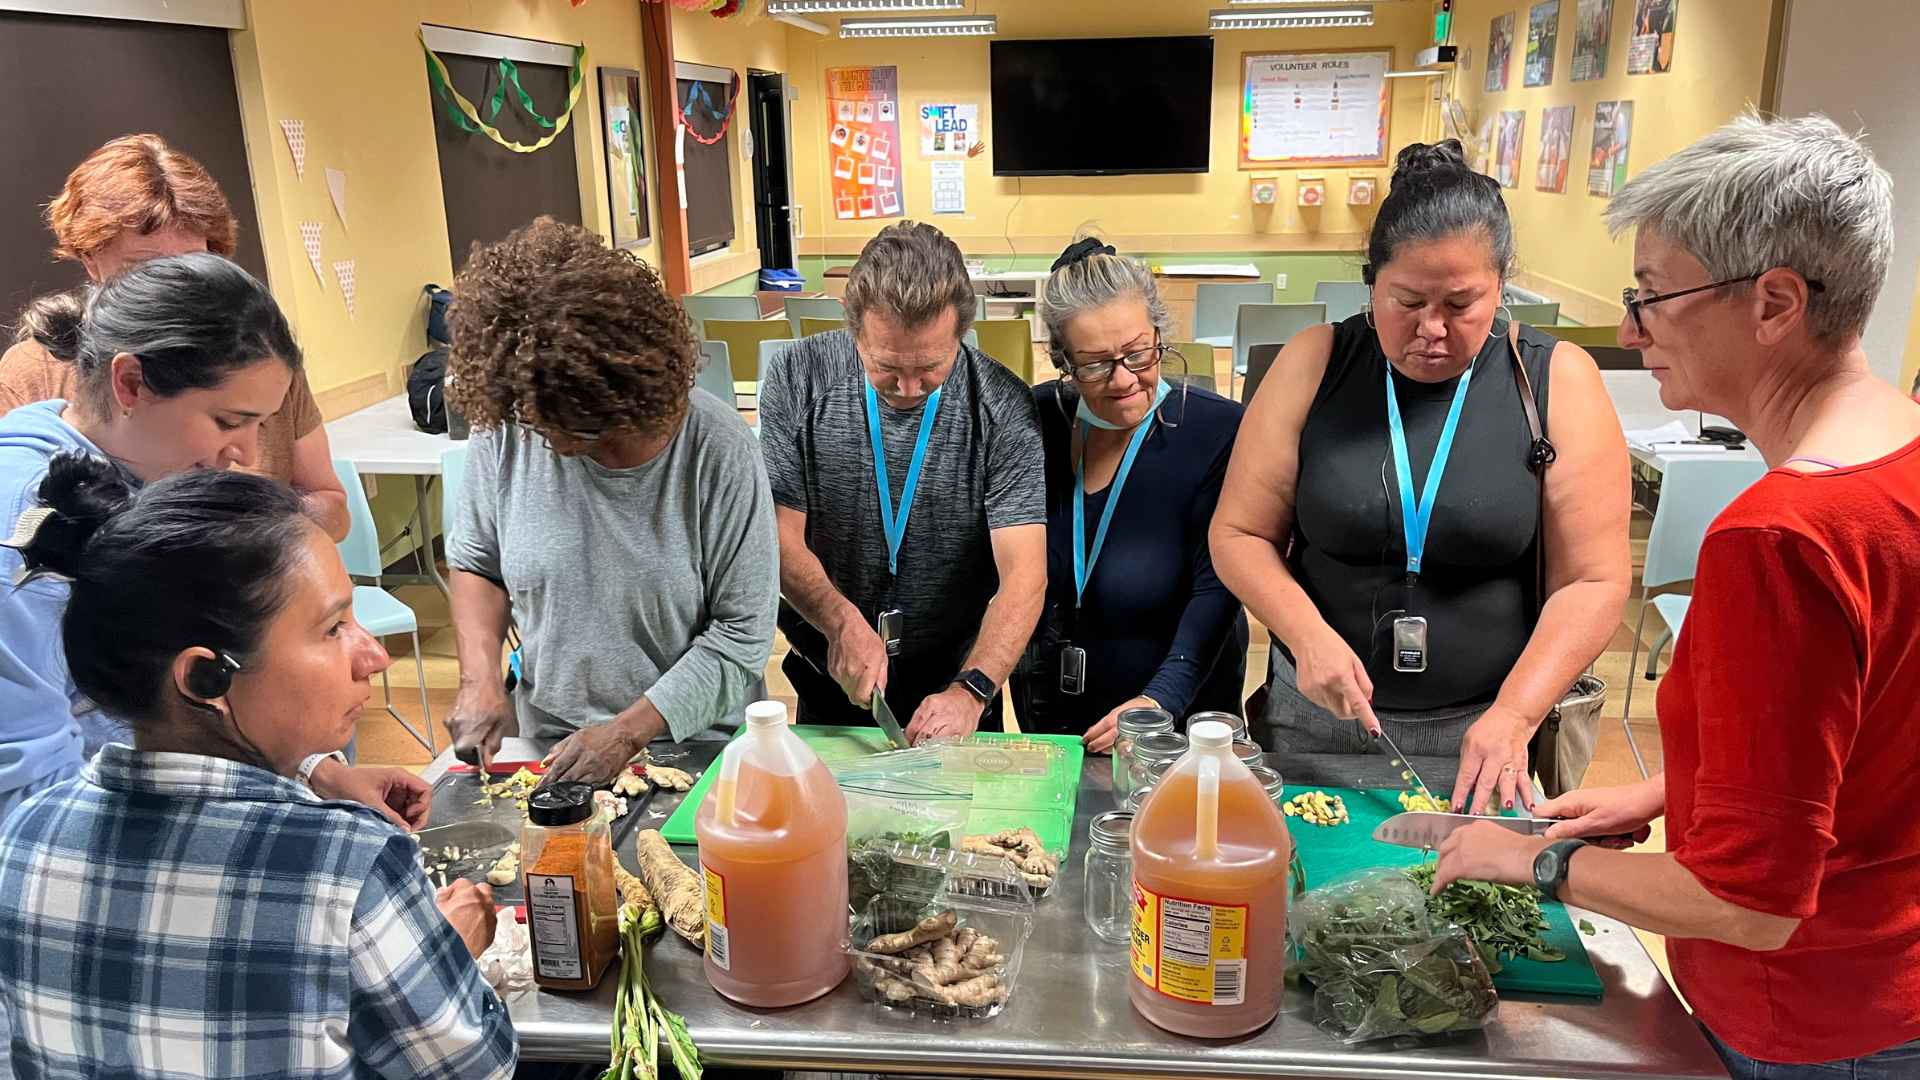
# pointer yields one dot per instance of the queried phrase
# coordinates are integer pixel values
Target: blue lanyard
(892, 522)
(1415, 517)
(1083, 559)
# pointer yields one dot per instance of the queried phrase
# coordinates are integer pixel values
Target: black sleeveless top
(1477, 587)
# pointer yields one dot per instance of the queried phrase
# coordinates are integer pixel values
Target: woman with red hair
(134, 199)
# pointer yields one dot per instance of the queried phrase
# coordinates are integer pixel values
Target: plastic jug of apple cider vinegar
(1210, 853)
(773, 855)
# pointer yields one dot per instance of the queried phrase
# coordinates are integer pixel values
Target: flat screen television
(1102, 106)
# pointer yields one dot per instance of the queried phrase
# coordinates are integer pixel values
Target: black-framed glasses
(1634, 301)
(1099, 371)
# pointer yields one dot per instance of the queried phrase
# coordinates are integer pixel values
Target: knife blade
(1404, 762)
(1426, 828)
(883, 715)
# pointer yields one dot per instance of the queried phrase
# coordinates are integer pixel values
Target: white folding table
(380, 440)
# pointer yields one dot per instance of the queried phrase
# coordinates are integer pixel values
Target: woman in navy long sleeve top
(1156, 624)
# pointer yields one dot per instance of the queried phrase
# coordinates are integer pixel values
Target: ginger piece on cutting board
(668, 777)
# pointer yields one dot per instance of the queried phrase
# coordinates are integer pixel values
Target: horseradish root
(675, 888)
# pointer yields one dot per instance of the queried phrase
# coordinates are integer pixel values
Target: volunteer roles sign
(863, 141)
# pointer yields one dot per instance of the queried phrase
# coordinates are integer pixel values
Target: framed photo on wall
(1499, 51)
(621, 111)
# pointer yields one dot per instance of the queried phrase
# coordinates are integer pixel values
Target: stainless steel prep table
(1069, 1015)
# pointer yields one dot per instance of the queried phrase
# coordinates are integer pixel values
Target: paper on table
(1672, 431)
(1209, 270)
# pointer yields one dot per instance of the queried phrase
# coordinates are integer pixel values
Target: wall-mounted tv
(1102, 106)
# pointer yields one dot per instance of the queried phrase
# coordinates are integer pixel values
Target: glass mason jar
(1132, 724)
(1109, 877)
(1138, 796)
(1235, 724)
(1248, 752)
(1269, 779)
(1150, 750)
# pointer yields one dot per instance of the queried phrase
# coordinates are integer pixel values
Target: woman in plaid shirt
(187, 906)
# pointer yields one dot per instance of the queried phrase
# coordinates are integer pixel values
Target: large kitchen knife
(1405, 763)
(883, 715)
(1425, 828)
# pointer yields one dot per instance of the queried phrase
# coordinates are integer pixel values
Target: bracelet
(312, 762)
(1151, 702)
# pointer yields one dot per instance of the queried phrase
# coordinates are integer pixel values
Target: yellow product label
(717, 938)
(1189, 950)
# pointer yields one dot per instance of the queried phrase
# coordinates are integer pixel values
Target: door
(772, 180)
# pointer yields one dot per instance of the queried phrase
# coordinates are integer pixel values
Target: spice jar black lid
(565, 803)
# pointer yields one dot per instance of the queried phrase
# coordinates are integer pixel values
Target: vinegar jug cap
(766, 714)
(1210, 734)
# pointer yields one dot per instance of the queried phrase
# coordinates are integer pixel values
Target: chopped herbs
(1586, 928)
(1501, 920)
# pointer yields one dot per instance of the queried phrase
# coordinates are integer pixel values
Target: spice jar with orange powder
(573, 909)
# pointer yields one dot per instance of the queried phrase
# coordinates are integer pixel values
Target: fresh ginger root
(632, 889)
(931, 928)
(674, 887)
(668, 777)
(1022, 848)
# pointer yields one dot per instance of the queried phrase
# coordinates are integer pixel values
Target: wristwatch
(977, 684)
(1550, 866)
(312, 762)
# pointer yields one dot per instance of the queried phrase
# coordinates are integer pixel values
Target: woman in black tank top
(1438, 635)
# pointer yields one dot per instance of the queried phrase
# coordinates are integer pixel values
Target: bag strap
(1540, 454)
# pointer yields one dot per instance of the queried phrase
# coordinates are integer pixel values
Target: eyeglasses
(1099, 371)
(1634, 301)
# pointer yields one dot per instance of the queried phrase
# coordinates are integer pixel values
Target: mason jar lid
(1138, 796)
(1113, 829)
(567, 803)
(1156, 745)
(1268, 778)
(1248, 751)
(1236, 724)
(1139, 721)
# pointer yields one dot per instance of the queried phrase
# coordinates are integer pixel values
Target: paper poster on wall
(1499, 51)
(621, 109)
(1650, 49)
(1592, 29)
(948, 130)
(1314, 109)
(1483, 153)
(1513, 127)
(296, 133)
(1543, 39)
(1556, 150)
(949, 187)
(864, 141)
(1612, 137)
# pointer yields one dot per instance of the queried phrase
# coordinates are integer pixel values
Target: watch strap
(312, 762)
(1549, 883)
(973, 679)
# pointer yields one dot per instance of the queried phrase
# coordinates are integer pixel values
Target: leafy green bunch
(1501, 920)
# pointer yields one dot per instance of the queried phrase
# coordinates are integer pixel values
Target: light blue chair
(1535, 314)
(701, 308)
(716, 372)
(1216, 308)
(812, 307)
(971, 338)
(1693, 491)
(1269, 324)
(374, 608)
(1344, 299)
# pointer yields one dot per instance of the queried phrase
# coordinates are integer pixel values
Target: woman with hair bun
(187, 906)
(1384, 513)
(181, 359)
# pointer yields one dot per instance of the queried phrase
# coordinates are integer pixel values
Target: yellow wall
(353, 71)
(1720, 59)
(1194, 212)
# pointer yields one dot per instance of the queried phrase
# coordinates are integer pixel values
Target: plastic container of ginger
(573, 909)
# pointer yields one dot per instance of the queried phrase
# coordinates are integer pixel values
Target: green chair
(1535, 314)
(701, 308)
(743, 338)
(1586, 337)
(1344, 299)
(1199, 358)
(1216, 306)
(813, 307)
(1009, 341)
(811, 326)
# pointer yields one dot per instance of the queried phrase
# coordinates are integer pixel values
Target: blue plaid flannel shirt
(171, 915)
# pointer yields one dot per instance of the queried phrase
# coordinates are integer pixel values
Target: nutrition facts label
(1190, 950)
(553, 924)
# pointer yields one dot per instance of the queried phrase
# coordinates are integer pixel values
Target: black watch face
(977, 685)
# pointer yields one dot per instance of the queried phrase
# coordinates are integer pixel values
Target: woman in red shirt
(1788, 719)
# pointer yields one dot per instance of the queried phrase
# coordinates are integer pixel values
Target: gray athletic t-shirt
(658, 581)
(983, 471)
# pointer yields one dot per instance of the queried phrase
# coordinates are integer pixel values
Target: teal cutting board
(837, 743)
(1329, 852)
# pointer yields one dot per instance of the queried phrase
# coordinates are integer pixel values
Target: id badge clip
(1073, 670)
(888, 625)
(1410, 644)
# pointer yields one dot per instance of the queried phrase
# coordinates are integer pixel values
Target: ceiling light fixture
(1290, 18)
(921, 26)
(816, 7)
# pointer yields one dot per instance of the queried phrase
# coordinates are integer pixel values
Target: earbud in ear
(212, 678)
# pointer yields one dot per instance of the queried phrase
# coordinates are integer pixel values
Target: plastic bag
(1380, 967)
(903, 795)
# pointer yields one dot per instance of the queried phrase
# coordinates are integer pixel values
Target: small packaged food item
(573, 910)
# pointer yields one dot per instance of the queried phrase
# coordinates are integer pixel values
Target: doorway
(772, 177)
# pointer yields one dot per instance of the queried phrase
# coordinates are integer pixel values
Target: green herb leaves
(1501, 920)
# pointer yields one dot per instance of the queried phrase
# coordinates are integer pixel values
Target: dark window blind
(491, 190)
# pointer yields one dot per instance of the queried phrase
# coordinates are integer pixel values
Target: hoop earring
(1368, 312)
(1505, 308)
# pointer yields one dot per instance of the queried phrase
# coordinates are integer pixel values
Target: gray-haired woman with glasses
(1135, 614)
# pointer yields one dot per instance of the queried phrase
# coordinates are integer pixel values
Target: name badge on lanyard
(1073, 659)
(1410, 631)
(893, 524)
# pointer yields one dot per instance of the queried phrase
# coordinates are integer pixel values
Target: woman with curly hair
(623, 512)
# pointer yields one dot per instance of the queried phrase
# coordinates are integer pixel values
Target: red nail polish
(1376, 734)
(1509, 804)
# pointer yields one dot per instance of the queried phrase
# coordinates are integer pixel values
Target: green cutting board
(1328, 852)
(837, 743)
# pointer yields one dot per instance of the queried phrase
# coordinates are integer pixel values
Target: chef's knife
(1425, 828)
(883, 715)
(1404, 762)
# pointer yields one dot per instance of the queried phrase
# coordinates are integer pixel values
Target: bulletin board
(1314, 108)
(863, 142)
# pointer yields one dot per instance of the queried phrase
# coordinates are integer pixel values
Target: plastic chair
(1259, 362)
(1692, 494)
(979, 307)
(1197, 354)
(810, 326)
(1344, 299)
(374, 608)
(702, 308)
(716, 372)
(743, 340)
(1203, 381)
(1269, 324)
(1587, 337)
(1009, 341)
(812, 307)
(971, 338)
(1216, 306)
(1534, 314)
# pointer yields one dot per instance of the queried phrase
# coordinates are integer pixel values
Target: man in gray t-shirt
(966, 570)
